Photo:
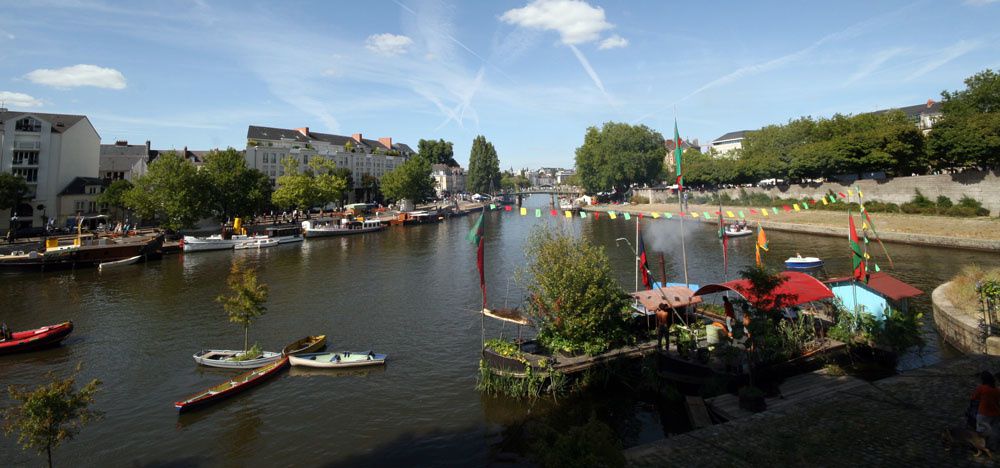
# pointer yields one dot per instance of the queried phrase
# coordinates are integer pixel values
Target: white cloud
(388, 44)
(10, 100)
(79, 75)
(613, 42)
(875, 62)
(943, 56)
(576, 21)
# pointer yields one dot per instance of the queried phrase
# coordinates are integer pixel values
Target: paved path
(893, 422)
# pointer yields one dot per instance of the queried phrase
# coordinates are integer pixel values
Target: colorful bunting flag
(730, 214)
(786, 208)
(656, 215)
(763, 211)
(796, 206)
(538, 212)
(694, 214)
(492, 206)
(524, 211)
(554, 213)
(677, 157)
(775, 209)
(569, 214)
(613, 215)
(597, 215)
(761, 242)
(706, 215)
(805, 206)
(583, 214)
(825, 202)
(668, 215)
(627, 216)
(753, 211)
(507, 208)
(740, 214)
(856, 253)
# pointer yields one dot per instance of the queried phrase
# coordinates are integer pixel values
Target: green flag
(677, 156)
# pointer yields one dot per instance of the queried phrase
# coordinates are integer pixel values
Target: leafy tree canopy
(411, 181)
(618, 155)
(437, 152)
(246, 301)
(234, 190)
(511, 181)
(320, 184)
(981, 95)
(483, 175)
(12, 190)
(172, 190)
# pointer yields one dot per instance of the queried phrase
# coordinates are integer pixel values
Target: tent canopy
(886, 285)
(676, 296)
(798, 288)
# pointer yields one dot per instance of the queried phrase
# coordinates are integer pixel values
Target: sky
(531, 76)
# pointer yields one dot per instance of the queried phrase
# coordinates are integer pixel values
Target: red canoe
(232, 386)
(38, 338)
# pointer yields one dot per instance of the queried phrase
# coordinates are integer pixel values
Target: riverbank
(894, 421)
(940, 231)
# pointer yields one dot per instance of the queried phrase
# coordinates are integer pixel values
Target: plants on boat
(897, 332)
(503, 347)
(578, 305)
(253, 353)
(50, 414)
(533, 384)
(246, 302)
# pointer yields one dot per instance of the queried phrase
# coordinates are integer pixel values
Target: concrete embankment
(960, 328)
(914, 238)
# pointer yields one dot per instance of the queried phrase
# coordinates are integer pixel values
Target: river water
(409, 292)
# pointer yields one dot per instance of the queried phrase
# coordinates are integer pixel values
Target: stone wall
(981, 185)
(958, 328)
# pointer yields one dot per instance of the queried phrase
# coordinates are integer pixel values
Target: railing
(989, 299)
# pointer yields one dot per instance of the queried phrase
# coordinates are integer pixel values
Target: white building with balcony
(448, 179)
(49, 151)
(267, 147)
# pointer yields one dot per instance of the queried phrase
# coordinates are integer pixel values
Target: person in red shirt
(988, 414)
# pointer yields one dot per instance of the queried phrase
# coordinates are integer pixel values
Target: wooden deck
(574, 364)
(819, 384)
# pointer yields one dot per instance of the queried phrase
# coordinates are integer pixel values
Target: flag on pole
(476, 236)
(725, 245)
(643, 263)
(871, 224)
(677, 158)
(761, 242)
(856, 253)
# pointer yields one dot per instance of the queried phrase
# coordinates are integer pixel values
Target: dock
(574, 364)
(793, 392)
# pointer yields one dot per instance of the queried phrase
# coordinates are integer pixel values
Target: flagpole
(680, 199)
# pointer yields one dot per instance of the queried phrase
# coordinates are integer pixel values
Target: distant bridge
(550, 191)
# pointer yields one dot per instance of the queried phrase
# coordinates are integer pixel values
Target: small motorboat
(30, 340)
(338, 359)
(735, 231)
(232, 386)
(803, 263)
(309, 344)
(227, 358)
(118, 263)
(257, 243)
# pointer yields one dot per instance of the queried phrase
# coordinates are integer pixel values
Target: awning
(799, 288)
(886, 285)
(676, 296)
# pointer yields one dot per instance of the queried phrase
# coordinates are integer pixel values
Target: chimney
(121, 143)
(387, 141)
(930, 103)
(147, 146)
(356, 137)
(304, 131)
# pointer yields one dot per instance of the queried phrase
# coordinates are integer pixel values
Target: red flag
(507, 208)
(643, 264)
(597, 215)
(477, 236)
(856, 252)
(842, 194)
(786, 208)
(554, 213)
(753, 211)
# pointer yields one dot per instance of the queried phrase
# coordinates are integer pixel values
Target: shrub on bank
(962, 292)
(639, 200)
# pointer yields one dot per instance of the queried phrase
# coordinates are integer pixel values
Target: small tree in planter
(246, 302)
(577, 304)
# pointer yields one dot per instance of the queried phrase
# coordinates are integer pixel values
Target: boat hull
(803, 264)
(330, 232)
(231, 387)
(39, 338)
(86, 256)
(347, 359)
(309, 344)
(739, 233)
(222, 358)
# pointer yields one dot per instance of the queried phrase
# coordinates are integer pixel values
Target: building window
(92, 206)
(265, 158)
(28, 124)
(79, 205)
(305, 159)
(93, 189)
(30, 175)
(29, 158)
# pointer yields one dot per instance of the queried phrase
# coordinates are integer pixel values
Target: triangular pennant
(524, 211)
(627, 216)
(538, 212)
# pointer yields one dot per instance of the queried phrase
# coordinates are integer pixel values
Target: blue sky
(530, 76)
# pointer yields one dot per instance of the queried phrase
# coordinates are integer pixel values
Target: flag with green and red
(476, 236)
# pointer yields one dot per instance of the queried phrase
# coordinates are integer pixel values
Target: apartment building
(448, 179)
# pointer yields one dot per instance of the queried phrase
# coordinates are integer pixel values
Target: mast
(636, 254)
(680, 201)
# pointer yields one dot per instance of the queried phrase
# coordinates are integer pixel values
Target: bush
(639, 200)
(944, 202)
(969, 202)
(962, 292)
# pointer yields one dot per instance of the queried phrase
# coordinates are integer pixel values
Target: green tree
(980, 96)
(318, 185)
(511, 182)
(247, 298)
(234, 190)
(437, 152)
(371, 187)
(114, 194)
(573, 296)
(411, 181)
(12, 190)
(618, 155)
(483, 175)
(50, 414)
(968, 135)
(172, 190)
(348, 176)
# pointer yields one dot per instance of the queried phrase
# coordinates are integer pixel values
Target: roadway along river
(408, 292)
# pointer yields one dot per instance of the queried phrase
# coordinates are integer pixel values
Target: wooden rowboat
(30, 340)
(232, 386)
(338, 359)
(225, 358)
(117, 263)
(309, 344)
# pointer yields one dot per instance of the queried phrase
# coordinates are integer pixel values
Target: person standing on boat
(988, 414)
(730, 314)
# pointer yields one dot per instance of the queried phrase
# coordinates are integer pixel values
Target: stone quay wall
(959, 328)
(980, 185)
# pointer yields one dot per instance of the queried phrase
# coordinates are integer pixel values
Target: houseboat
(343, 228)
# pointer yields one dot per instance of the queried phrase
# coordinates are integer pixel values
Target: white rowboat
(118, 263)
(225, 358)
(338, 359)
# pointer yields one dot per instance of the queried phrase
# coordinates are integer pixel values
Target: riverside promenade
(897, 421)
(981, 233)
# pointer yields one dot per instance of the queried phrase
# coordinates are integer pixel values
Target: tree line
(967, 135)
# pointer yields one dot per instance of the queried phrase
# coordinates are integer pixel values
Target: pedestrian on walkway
(988, 414)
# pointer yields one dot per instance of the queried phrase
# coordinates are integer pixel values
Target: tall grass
(962, 292)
